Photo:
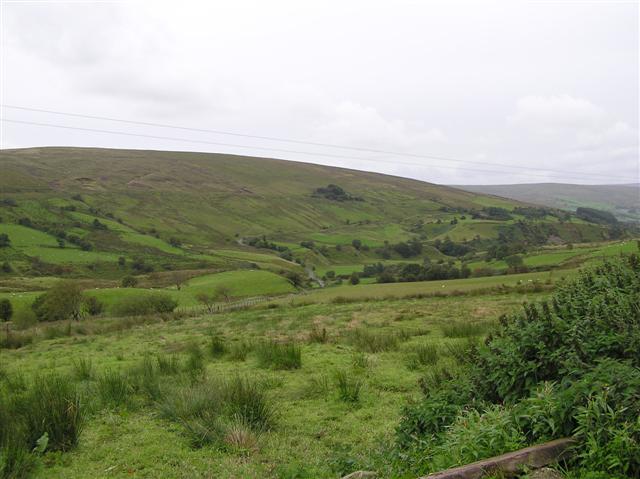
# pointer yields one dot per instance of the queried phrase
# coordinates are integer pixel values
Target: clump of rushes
(373, 342)
(217, 347)
(83, 369)
(426, 354)
(464, 330)
(194, 366)
(239, 351)
(168, 365)
(113, 388)
(213, 411)
(318, 335)
(348, 387)
(272, 354)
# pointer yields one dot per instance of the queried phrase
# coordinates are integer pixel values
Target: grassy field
(316, 431)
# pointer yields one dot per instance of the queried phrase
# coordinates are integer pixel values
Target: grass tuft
(348, 387)
(276, 355)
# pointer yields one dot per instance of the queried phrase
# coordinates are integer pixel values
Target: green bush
(145, 304)
(568, 366)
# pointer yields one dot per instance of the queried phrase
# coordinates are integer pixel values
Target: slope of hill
(101, 208)
(621, 200)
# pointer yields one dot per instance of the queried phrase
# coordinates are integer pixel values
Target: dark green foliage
(279, 355)
(566, 367)
(6, 309)
(62, 301)
(93, 306)
(596, 216)
(595, 316)
(145, 304)
(129, 281)
(217, 347)
(354, 278)
(5, 242)
(335, 193)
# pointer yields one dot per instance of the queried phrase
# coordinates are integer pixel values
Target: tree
(179, 278)
(121, 261)
(515, 262)
(63, 301)
(175, 242)
(60, 243)
(354, 279)
(5, 242)
(357, 244)
(6, 309)
(129, 282)
(207, 300)
(6, 267)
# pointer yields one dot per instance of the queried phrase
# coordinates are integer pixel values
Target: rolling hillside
(621, 200)
(88, 211)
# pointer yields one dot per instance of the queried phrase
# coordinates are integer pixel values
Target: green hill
(621, 200)
(86, 211)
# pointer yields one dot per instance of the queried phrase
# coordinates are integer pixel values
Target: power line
(298, 152)
(310, 143)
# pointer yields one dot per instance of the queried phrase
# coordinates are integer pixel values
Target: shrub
(145, 304)
(279, 355)
(62, 301)
(93, 306)
(129, 281)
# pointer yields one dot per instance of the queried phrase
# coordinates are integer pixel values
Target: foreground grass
(332, 413)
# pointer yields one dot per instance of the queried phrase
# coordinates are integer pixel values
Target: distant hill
(88, 211)
(621, 200)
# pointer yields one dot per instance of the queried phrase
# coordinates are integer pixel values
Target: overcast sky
(546, 90)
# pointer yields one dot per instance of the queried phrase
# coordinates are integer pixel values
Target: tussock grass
(113, 389)
(374, 341)
(83, 369)
(218, 412)
(465, 330)
(168, 365)
(426, 354)
(194, 366)
(348, 387)
(318, 335)
(272, 354)
(217, 347)
(239, 351)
